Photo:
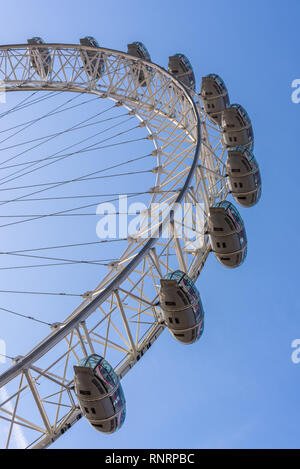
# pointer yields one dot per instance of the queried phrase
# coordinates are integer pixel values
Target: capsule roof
(93, 42)
(242, 111)
(185, 60)
(100, 393)
(182, 307)
(190, 76)
(90, 361)
(143, 49)
(37, 40)
(97, 362)
(218, 80)
(246, 152)
(227, 234)
(244, 176)
(189, 287)
(183, 279)
(231, 210)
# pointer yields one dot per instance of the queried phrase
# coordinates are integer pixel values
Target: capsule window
(241, 184)
(179, 335)
(229, 222)
(170, 303)
(93, 410)
(86, 410)
(182, 296)
(224, 245)
(171, 320)
(177, 320)
(84, 393)
(218, 245)
(218, 229)
(113, 424)
(246, 164)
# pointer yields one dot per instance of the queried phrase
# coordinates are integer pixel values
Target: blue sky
(237, 387)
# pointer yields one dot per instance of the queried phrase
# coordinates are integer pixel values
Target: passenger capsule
(138, 49)
(181, 306)
(100, 394)
(237, 127)
(93, 61)
(227, 234)
(214, 96)
(244, 176)
(180, 67)
(40, 57)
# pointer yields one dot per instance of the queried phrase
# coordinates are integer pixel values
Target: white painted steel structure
(119, 318)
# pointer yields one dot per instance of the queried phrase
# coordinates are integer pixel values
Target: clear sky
(237, 387)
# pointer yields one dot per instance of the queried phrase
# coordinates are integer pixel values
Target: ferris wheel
(201, 154)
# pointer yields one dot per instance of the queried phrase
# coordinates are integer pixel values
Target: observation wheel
(119, 316)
